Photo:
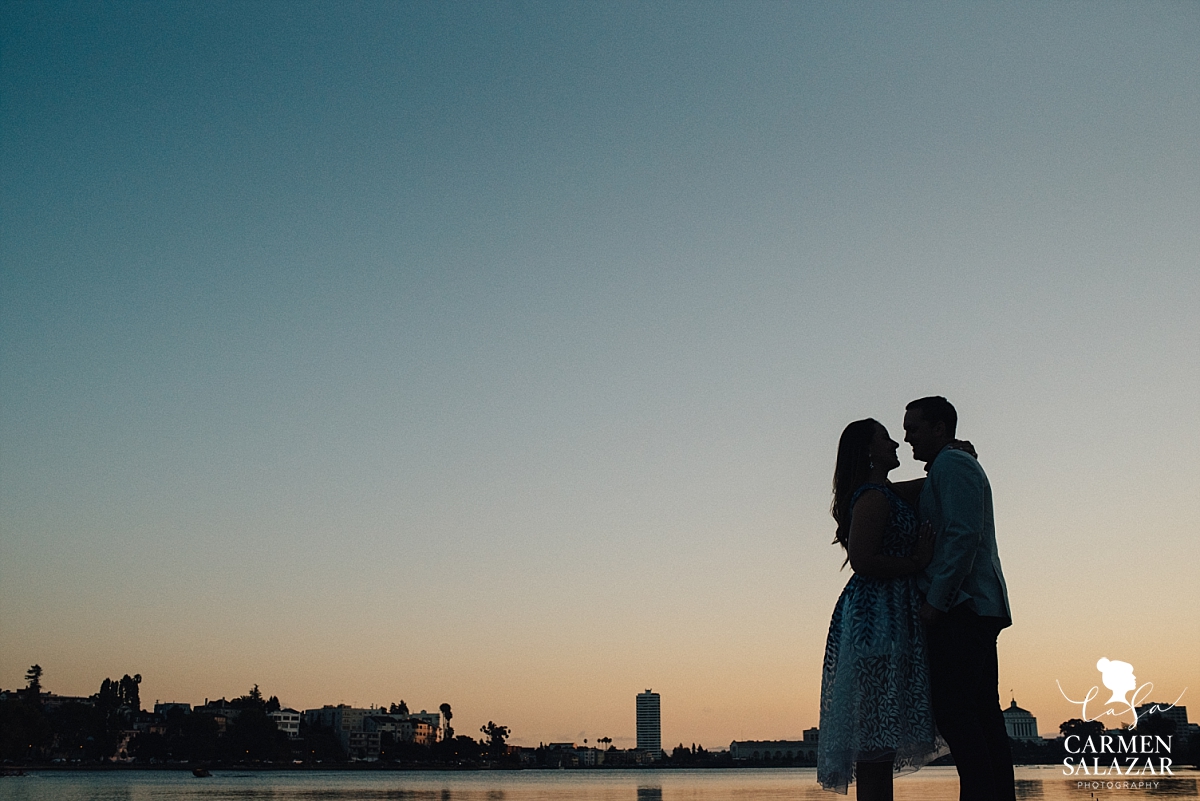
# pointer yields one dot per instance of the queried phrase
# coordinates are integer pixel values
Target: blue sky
(519, 336)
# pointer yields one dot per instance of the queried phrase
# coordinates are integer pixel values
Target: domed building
(1021, 725)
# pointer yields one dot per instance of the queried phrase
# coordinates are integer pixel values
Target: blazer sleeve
(959, 492)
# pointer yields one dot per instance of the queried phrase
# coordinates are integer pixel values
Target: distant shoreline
(390, 768)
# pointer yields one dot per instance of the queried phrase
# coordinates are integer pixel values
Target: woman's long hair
(850, 473)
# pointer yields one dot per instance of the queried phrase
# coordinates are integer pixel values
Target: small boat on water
(201, 773)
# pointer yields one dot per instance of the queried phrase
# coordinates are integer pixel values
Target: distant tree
(254, 737)
(254, 699)
(24, 730)
(251, 700)
(398, 709)
(33, 687)
(116, 702)
(1082, 728)
(78, 731)
(459, 750)
(496, 735)
(120, 693)
(130, 695)
(183, 736)
(446, 715)
(1041, 752)
(321, 744)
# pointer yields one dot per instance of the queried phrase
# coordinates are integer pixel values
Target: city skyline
(497, 354)
(647, 721)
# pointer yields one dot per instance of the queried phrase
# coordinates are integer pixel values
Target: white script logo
(1138, 752)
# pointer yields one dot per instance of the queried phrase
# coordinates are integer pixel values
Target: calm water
(930, 784)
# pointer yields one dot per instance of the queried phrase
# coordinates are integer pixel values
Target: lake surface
(799, 784)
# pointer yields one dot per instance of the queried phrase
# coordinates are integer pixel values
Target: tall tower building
(649, 724)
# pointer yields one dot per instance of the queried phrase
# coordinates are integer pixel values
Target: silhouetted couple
(910, 661)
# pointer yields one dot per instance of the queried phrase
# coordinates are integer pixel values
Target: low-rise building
(804, 750)
(404, 728)
(362, 745)
(346, 722)
(50, 701)
(287, 721)
(340, 718)
(434, 719)
(589, 757)
(220, 711)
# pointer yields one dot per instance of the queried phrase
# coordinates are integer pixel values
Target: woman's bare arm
(909, 490)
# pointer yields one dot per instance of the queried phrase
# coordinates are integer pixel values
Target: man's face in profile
(926, 439)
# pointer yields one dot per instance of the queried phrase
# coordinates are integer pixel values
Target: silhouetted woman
(876, 718)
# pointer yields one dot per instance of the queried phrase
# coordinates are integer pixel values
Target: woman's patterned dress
(875, 682)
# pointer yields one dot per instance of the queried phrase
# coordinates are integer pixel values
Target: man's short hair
(936, 409)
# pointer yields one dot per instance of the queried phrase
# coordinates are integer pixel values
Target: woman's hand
(925, 542)
(965, 446)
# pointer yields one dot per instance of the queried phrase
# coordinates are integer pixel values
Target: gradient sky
(497, 353)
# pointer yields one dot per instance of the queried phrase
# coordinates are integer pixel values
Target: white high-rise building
(649, 724)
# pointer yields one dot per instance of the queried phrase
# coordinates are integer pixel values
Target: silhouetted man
(966, 604)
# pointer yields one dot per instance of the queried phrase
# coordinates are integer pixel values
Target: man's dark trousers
(964, 679)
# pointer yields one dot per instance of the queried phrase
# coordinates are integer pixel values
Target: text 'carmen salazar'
(1114, 755)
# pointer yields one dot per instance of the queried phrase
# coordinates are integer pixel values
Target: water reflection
(1030, 788)
(1133, 788)
(356, 792)
(1175, 787)
(786, 784)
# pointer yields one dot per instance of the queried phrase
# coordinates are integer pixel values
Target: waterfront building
(649, 724)
(404, 728)
(346, 722)
(361, 746)
(287, 721)
(776, 750)
(434, 719)
(51, 701)
(166, 708)
(1020, 724)
(340, 718)
(589, 757)
(220, 711)
(1176, 714)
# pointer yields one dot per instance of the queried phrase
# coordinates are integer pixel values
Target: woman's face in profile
(1118, 677)
(1122, 682)
(883, 450)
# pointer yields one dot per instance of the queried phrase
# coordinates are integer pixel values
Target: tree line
(110, 726)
